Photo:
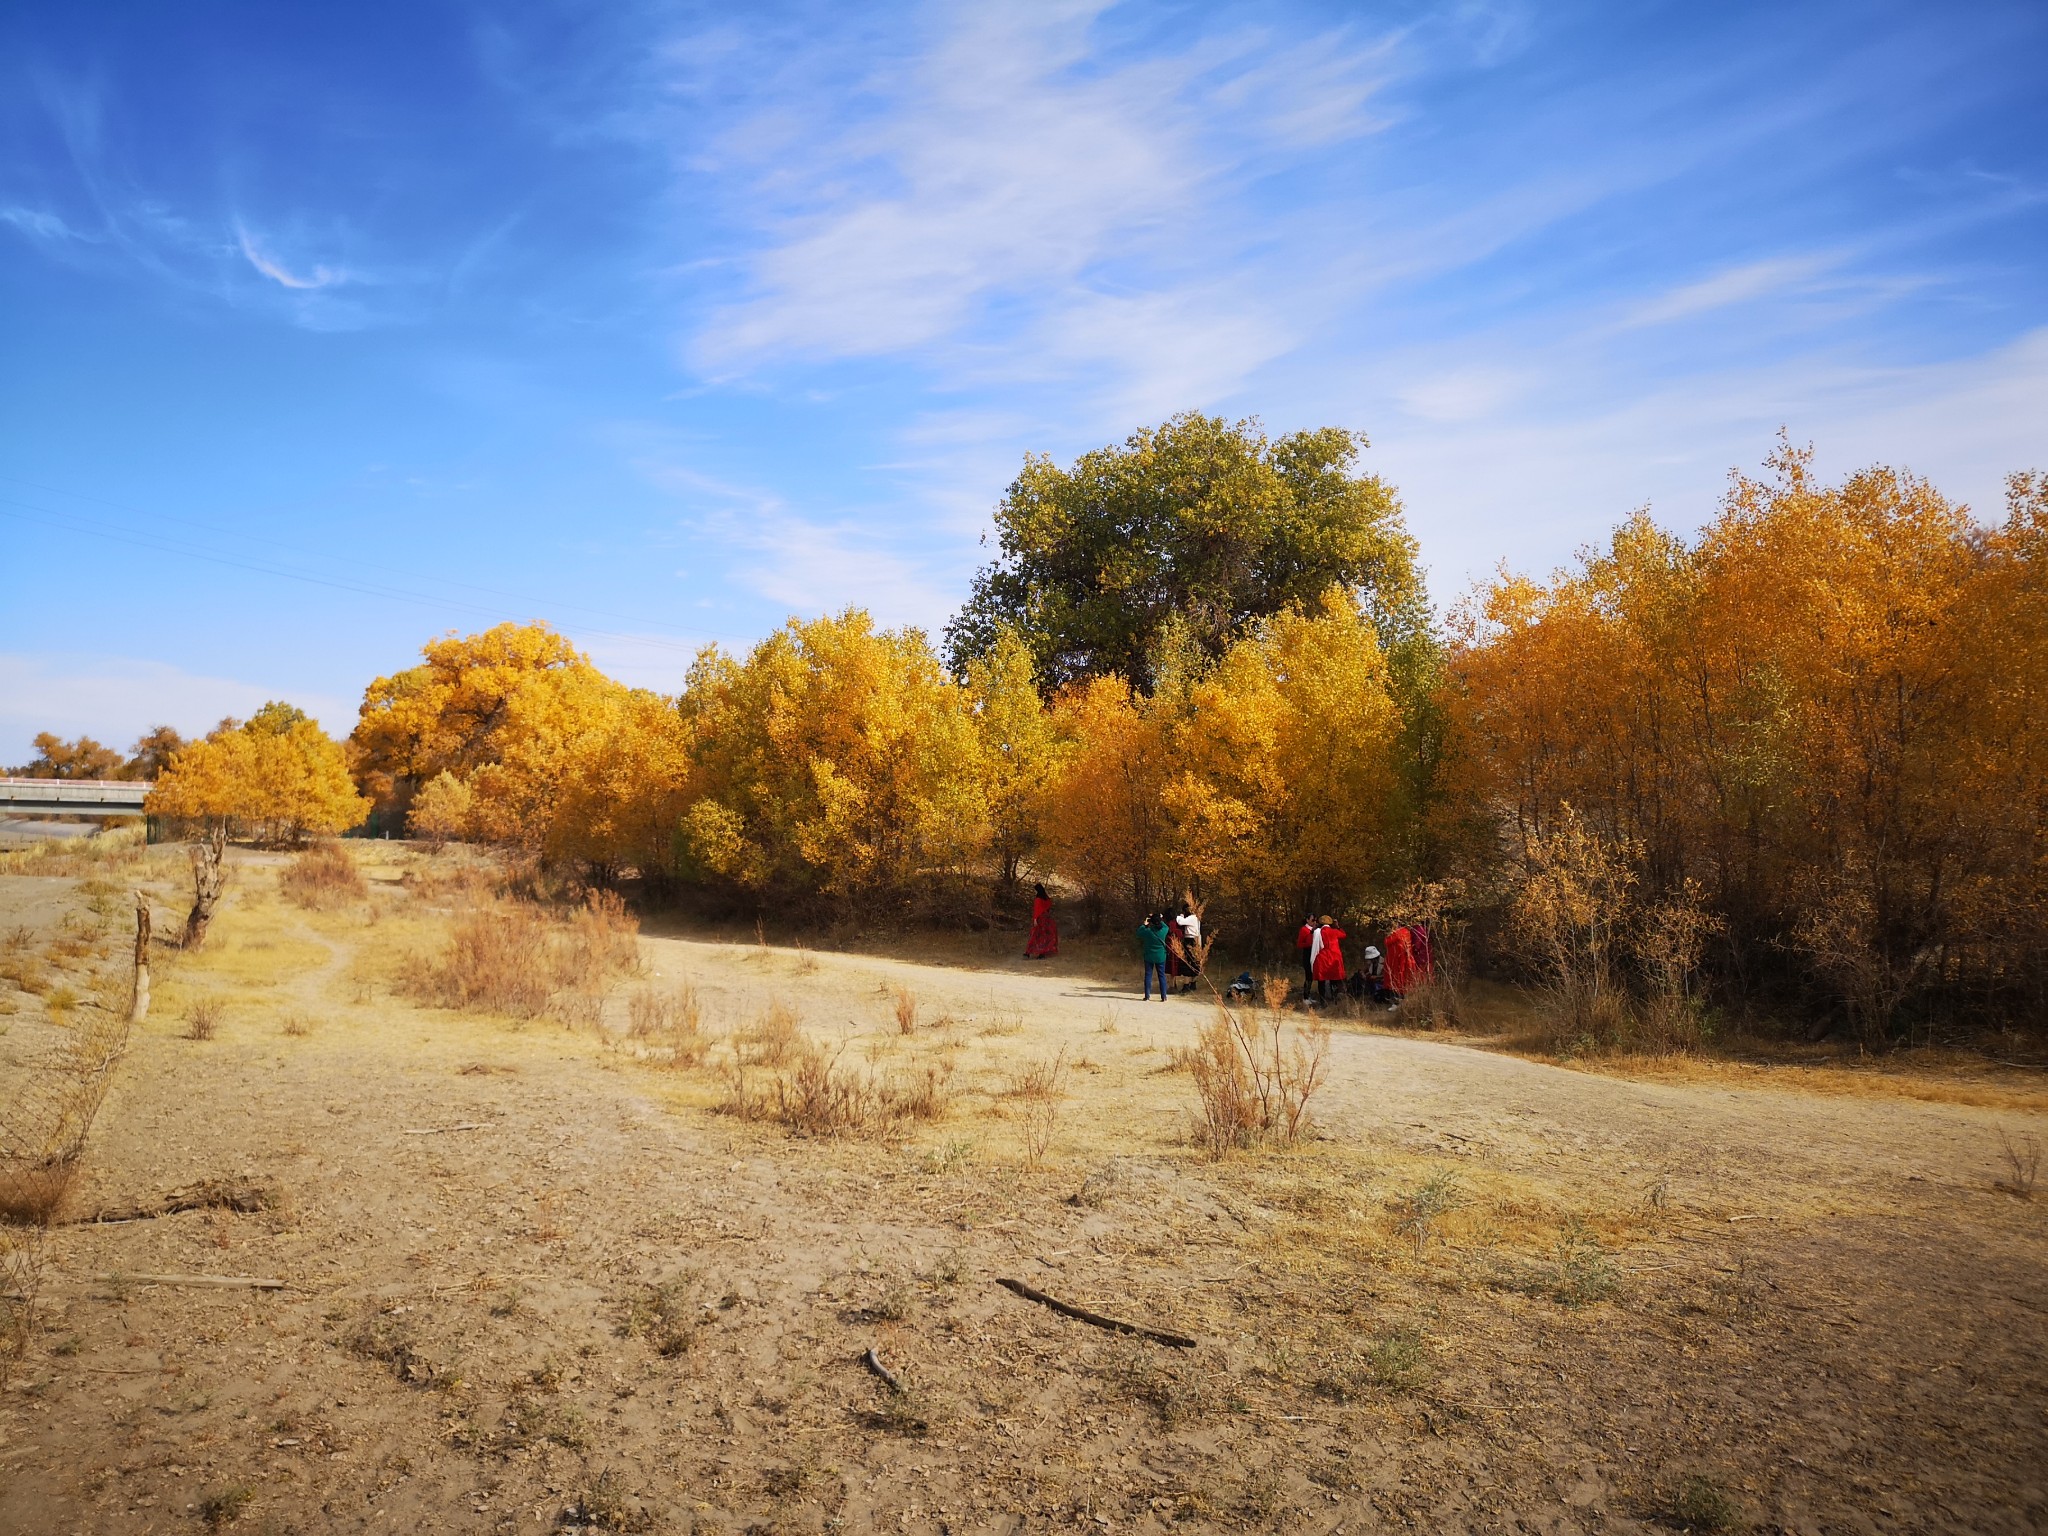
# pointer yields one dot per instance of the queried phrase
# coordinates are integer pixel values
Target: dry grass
(519, 959)
(905, 1002)
(1255, 1074)
(1038, 1088)
(2022, 1165)
(818, 1094)
(770, 1040)
(671, 1024)
(202, 1018)
(323, 879)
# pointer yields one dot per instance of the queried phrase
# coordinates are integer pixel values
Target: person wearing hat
(1372, 970)
(1328, 963)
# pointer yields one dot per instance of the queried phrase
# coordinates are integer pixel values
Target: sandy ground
(534, 1281)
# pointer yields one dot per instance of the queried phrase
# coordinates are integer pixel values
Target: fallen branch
(1096, 1319)
(248, 1282)
(873, 1362)
(442, 1130)
(208, 1194)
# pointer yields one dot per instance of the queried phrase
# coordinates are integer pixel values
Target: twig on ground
(1096, 1319)
(249, 1282)
(873, 1362)
(442, 1130)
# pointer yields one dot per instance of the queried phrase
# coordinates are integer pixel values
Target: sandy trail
(479, 1327)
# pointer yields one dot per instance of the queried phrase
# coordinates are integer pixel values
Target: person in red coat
(1305, 942)
(1045, 933)
(1329, 961)
(1402, 971)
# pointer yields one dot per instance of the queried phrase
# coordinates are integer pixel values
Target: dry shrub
(1255, 1074)
(1039, 1089)
(770, 1041)
(515, 958)
(819, 1095)
(1570, 920)
(323, 879)
(672, 1022)
(2022, 1165)
(906, 1009)
(202, 1018)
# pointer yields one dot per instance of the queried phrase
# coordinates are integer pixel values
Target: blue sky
(329, 328)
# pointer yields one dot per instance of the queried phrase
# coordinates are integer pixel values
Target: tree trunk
(138, 997)
(209, 879)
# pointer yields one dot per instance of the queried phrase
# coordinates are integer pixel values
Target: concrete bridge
(73, 797)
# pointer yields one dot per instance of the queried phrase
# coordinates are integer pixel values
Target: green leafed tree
(1200, 522)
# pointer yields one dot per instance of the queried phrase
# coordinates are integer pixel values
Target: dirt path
(535, 1283)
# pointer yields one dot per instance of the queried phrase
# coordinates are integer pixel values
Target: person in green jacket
(1152, 949)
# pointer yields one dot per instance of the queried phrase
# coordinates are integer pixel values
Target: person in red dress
(1329, 961)
(1402, 970)
(1305, 942)
(1045, 933)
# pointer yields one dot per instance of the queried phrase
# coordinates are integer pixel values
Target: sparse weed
(1417, 1211)
(770, 1041)
(322, 879)
(297, 1025)
(671, 1022)
(1254, 1077)
(905, 1003)
(662, 1314)
(1699, 1503)
(1039, 1089)
(222, 1507)
(202, 1018)
(2022, 1165)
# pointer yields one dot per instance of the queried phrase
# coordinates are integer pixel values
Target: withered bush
(671, 1022)
(322, 879)
(516, 958)
(819, 1095)
(769, 1041)
(1255, 1074)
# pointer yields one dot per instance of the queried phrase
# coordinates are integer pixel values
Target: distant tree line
(1795, 768)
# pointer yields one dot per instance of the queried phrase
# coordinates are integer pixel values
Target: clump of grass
(1417, 1211)
(905, 1003)
(323, 879)
(819, 1096)
(2022, 1165)
(661, 1313)
(1254, 1078)
(202, 1018)
(1038, 1090)
(224, 1506)
(771, 1040)
(1699, 1503)
(1580, 1271)
(298, 1025)
(391, 1338)
(519, 959)
(671, 1022)
(28, 972)
(608, 1505)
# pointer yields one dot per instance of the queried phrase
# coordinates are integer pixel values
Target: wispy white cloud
(1023, 206)
(39, 222)
(1733, 285)
(320, 276)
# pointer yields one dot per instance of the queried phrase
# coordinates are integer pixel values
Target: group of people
(1386, 977)
(1172, 949)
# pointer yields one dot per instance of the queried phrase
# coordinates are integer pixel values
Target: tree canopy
(1200, 522)
(278, 779)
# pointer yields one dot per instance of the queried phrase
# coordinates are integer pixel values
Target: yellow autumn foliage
(278, 779)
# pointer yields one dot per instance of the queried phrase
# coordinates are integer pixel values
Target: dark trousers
(1155, 968)
(1308, 975)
